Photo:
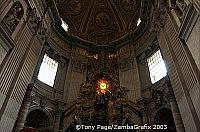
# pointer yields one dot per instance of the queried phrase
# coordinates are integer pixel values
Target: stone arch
(165, 117)
(37, 119)
(47, 112)
(13, 16)
(155, 111)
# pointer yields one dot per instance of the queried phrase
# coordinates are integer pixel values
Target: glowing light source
(102, 86)
(64, 25)
(138, 22)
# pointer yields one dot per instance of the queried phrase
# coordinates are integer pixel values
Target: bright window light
(64, 25)
(48, 69)
(156, 66)
(138, 22)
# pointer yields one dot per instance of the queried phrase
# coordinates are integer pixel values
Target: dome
(100, 21)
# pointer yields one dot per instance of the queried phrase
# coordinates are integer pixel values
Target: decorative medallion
(128, 5)
(102, 19)
(74, 6)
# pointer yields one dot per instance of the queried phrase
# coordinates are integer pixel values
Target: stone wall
(193, 42)
(17, 74)
(17, 71)
(181, 73)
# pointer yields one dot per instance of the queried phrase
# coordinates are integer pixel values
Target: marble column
(174, 107)
(24, 109)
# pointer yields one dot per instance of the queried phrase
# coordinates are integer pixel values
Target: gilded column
(24, 109)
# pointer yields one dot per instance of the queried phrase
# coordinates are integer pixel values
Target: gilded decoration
(101, 99)
(99, 21)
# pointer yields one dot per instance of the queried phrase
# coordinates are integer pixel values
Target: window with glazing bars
(48, 69)
(156, 66)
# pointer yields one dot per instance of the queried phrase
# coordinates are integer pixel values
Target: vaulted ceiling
(100, 21)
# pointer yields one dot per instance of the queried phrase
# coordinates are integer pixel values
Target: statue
(13, 16)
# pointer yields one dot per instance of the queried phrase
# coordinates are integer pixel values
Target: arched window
(13, 16)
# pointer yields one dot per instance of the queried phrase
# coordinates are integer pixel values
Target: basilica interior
(117, 65)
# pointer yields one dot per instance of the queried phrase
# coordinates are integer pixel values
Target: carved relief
(102, 19)
(13, 16)
(37, 24)
(99, 21)
(128, 5)
(159, 17)
(74, 6)
(33, 20)
(42, 33)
